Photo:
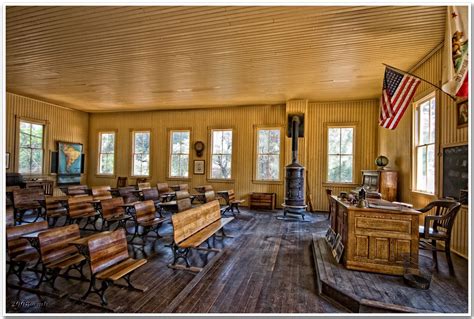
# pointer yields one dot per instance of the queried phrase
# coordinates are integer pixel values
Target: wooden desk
(377, 238)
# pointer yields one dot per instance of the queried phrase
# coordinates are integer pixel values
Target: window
(340, 154)
(425, 121)
(268, 154)
(106, 153)
(141, 153)
(30, 160)
(221, 157)
(179, 157)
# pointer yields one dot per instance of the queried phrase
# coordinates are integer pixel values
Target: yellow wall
(397, 145)
(62, 125)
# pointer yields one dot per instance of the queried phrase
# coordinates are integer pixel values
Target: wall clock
(199, 148)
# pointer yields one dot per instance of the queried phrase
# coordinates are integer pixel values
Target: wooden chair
(110, 262)
(58, 255)
(129, 195)
(80, 208)
(122, 182)
(184, 187)
(101, 192)
(183, 201)
(77, 190)
(192, 228)
(165, 192)
(28, 199)
(209, 196)
(141, 180)
(19, 250)
(328, 194)
(145, 216)
(54, 210)
(152, 194)
(438, 227)
(144, 185)
(232, 203)
(113, 212)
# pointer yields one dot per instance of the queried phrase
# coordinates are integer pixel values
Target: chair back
(209, 196)
(231, 195)
(141, 180)
(128, 194)
(17, 245)
(447, 209)
(144, 185)
(145, 211)
(107, 249)
(28, 197)
(183, 200)
(54, 243)
(193, 220)
(122, 181)
(328, 194)
(112, 207)
(77, 190)
(184, 187)
(80, 205)
(150, 194)
(163, 188)
(101, 192)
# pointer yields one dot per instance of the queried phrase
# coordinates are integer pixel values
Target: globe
(381, 161)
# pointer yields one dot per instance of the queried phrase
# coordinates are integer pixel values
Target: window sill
(230, 181)
(187, 179)
(255, 181)
(104, 176)
(335, 184)
(423, 193)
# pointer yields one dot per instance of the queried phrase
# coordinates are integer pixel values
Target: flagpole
(452, 97)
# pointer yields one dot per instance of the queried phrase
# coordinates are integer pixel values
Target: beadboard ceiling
(122, 58)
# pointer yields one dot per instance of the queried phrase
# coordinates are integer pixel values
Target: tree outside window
(268, 154)
(31, 148)
(141, 154)
(221, 157)
(179, 156)
(340, 154)
(106, 153)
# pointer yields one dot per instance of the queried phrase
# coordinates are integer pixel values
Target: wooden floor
(267, 268)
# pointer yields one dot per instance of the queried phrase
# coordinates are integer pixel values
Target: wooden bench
(113, 212)
(77, 190)
(54, 210)
(28, 199)
(144, 185)
(110, 261)
(58, 255)
(101, 192)
(128, 194)
(165, 192)
(152, 194)
(19, 250)
(82, 207)
(192, 228)
(145, 216)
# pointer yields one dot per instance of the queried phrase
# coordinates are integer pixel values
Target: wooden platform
(369, 292)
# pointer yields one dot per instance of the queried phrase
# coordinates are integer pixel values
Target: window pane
(333, 168)
(346, 140)
(268, 167)
(432, 121)
(421, 168)
(179, 158)
(36, 142)
(142, 142)
(24, 160)
(227, 142)
(430, 166)
(25, 127)
(107, 141)
(37, 130)
(184, 165)
(36, 161)
(346, 169)
(141, 164)
(334, 139)
(221, 166)
(262, 141)
(106, 163)
(25, 140)
(274, 141)
(217, 142)
(424, 122)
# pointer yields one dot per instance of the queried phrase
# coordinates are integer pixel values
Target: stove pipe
(294, 177)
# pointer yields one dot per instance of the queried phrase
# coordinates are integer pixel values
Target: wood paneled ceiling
(109, 58)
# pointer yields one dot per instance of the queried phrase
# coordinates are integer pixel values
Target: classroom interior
(229, 159)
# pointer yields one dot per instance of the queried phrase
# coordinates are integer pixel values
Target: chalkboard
(455, 170)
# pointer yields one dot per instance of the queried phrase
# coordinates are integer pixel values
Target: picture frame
(330, 237)
(199, 167)
(7, 160)
(462, 115)
(338, 251)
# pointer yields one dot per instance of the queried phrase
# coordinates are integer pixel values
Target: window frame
(415, 136)
(44, 143)
(258, 128)
(170, 149)
(354, 126)
(99, 148)
(132, 151)
(209, 156)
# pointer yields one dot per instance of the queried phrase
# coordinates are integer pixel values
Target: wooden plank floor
(268, 268)
(367, 292)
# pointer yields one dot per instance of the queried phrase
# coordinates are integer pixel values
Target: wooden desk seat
(9, 216)
(57, 254)
(19, 250)
(128, 194)
(77, 190)
(152, 194)
(113, 212)
(193, 227)
(145, 216)
(28, 199)
(54, 210)
(232, 203)
(109, 262)
(80, 208)
(101, 192)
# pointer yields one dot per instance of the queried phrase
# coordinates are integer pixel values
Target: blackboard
(455, 170)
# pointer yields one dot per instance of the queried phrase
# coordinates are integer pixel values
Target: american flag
(398, 91)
